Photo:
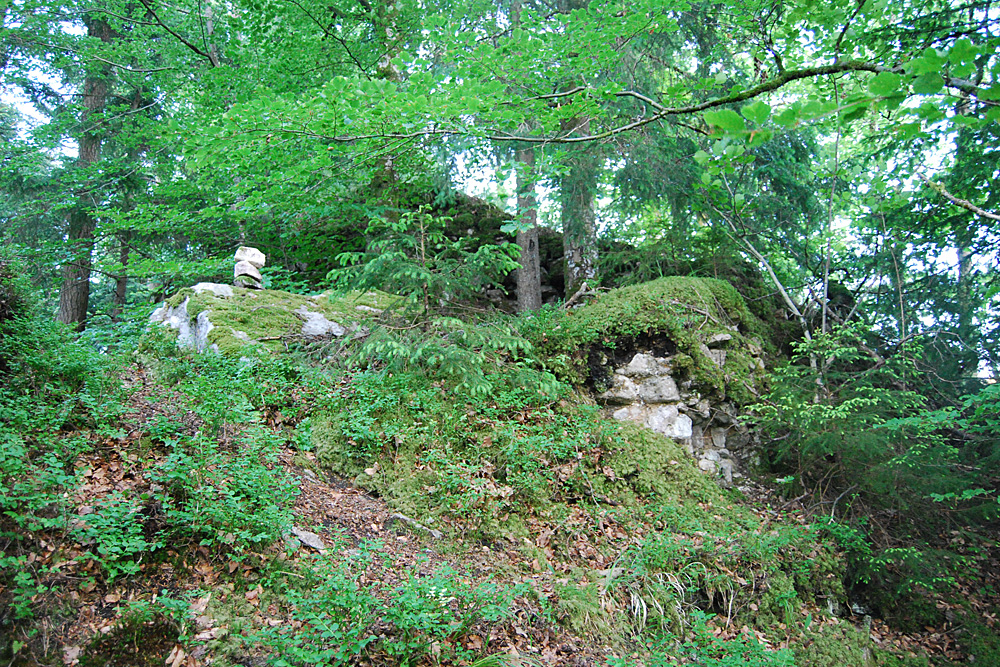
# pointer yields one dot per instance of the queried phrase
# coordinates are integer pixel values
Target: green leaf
(930, 61)
(787, 118)
(760, 137)
(885, 83)
(757, 112)
(726, 119)
(963, 51)
(702, 158)
(855, 111)
(928, 84)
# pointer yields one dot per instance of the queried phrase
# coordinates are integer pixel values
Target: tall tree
(74, 295)
(577, 190)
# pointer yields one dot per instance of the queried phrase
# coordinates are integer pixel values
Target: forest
(599, 333)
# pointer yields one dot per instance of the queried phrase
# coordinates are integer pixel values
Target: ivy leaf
(726, 119)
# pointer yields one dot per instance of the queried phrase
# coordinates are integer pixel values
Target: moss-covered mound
(266, 320)
(678, 317)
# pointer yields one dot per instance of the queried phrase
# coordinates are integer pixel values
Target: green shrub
(51, 387)
(437, 610)
(412, 256)
(332, 613)
(700, 646)
(116, 529)
(336, 619)
(237, 498)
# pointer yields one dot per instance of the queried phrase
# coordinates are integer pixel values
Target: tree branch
(967, 205)
(207, 56)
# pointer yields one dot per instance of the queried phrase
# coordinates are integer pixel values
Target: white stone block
(244, 268)
(218, 289)
(660, 389)
(316, 324)
(251, 255)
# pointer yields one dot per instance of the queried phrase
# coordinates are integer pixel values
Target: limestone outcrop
(681, 356)
(211, 317)
(645, 391)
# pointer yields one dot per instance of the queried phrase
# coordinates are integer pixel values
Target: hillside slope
(305, 508)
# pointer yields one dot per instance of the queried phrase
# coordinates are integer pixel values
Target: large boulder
(211, 317)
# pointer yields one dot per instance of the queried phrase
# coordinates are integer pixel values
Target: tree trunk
(529, 276)
(74, 295)
(385, 180)
(579, 219)
(121, 281)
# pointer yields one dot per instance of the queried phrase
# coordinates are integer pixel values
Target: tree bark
(529, 276)
(74, 295)
(385, 180)
(121, 281)
(579, 219)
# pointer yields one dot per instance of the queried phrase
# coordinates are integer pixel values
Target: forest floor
(228, 597)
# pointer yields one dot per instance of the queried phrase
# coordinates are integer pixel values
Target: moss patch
(834, 645)
(654, 466)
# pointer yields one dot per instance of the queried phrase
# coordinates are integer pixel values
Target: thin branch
(207, 56)
(847, 25)
(967, 205)
(110, 63)
(663, 112)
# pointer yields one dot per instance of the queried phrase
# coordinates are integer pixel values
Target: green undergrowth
(479, 463)
(338, 616)
(678, 314)
(640, 552)
(645, 538)
(53, 391)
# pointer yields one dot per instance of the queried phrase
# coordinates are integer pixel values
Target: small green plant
(50, 385)
(699, 645)
(332, 614)
(435, 609)
(117, 535)
(227, 498)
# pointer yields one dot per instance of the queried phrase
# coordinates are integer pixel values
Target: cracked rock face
(646, 391)
(188, 336)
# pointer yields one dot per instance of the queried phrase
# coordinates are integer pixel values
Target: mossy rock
(673, 316)
(263, 321)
